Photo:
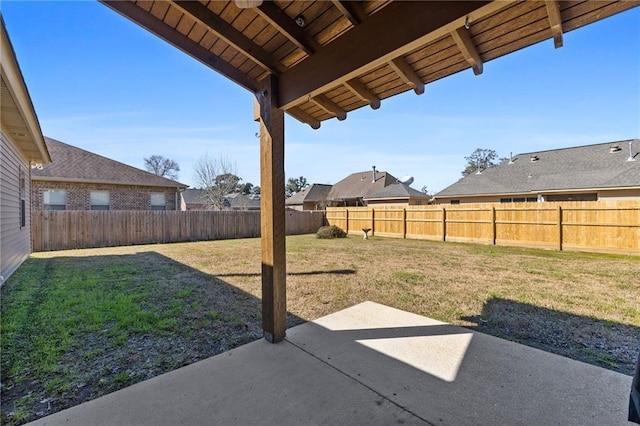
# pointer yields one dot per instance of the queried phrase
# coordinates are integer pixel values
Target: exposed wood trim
(404, 70)
(357, 87)
(272, 212)
(555, 21)
(468, 49)
(146, 20)
(287, 27)
(351, 10)
(378, 43)
(303, 117)
(230, 35)
(331, 107)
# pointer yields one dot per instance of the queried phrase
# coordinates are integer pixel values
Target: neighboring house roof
(193, 196)
(18, 115)
(588, 167)
(242, 201)
(196, 197)
(316, 192)
(360, 185)
(72, 164)
(395, 191)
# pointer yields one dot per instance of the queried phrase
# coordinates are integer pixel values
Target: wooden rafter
(184, 43)
(406, 72)
(378, 43)
(331, 107)
(555, 21)
(285, 25)
(357, 87)
(230, 35)
(468, 48)
(303, 117)
(351, 10)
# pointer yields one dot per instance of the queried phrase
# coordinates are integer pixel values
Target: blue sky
(104, 84)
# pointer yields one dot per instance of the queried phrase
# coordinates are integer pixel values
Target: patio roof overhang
(318, 60)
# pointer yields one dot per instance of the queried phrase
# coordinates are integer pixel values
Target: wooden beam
(287, 27)
(272, 213)
(230, 35)
(303, 117)
(357, 87)
(404, 70)
(351, 10)
(156, 26)
(331, 107)
(468, 48)
(375, 42)
(555, 22)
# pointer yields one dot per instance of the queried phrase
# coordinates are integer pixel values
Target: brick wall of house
(121, 197)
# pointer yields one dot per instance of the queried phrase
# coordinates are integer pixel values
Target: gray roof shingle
(582, 167)
(397, 190)
(314, 193)
(360, 185)
(69, 163)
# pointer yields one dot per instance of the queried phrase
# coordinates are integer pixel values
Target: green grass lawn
(80, 324)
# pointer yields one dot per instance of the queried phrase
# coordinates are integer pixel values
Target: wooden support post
(493, 225)
(560, 228)
(444, 224)
(272, 214)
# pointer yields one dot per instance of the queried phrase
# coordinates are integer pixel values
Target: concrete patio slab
(455, 376)
(374, 365)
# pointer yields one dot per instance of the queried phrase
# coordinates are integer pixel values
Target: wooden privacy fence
(62, 230)
(587, 226)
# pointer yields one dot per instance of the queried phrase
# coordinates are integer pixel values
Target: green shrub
(332, 231)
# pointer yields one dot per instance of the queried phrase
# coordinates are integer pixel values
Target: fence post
(346, 216)
(444, 224)
(560, 228)
(373, 222)
(493, 225)
(404, 222)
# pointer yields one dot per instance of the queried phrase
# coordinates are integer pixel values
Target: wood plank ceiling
(332, 57)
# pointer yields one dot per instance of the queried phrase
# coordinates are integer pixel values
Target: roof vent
(534, 158)
(510, 158)
(614, 148)
(631, 156)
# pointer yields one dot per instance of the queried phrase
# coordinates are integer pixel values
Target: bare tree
(217, 176)
(161, 166)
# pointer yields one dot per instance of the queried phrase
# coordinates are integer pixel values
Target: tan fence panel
(527, 224)
(469, 222)
(389, 222)
(62, 230)
(588, 226)
(424, 222)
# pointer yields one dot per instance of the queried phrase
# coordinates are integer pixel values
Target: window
(99, 200)
(455, 201)
(54, 199)
(23, 198)
(158, 201)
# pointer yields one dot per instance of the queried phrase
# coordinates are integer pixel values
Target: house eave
(25, 130)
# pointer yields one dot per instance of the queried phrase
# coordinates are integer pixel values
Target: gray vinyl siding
(15, 241)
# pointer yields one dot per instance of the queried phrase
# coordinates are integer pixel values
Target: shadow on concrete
(603, 343)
